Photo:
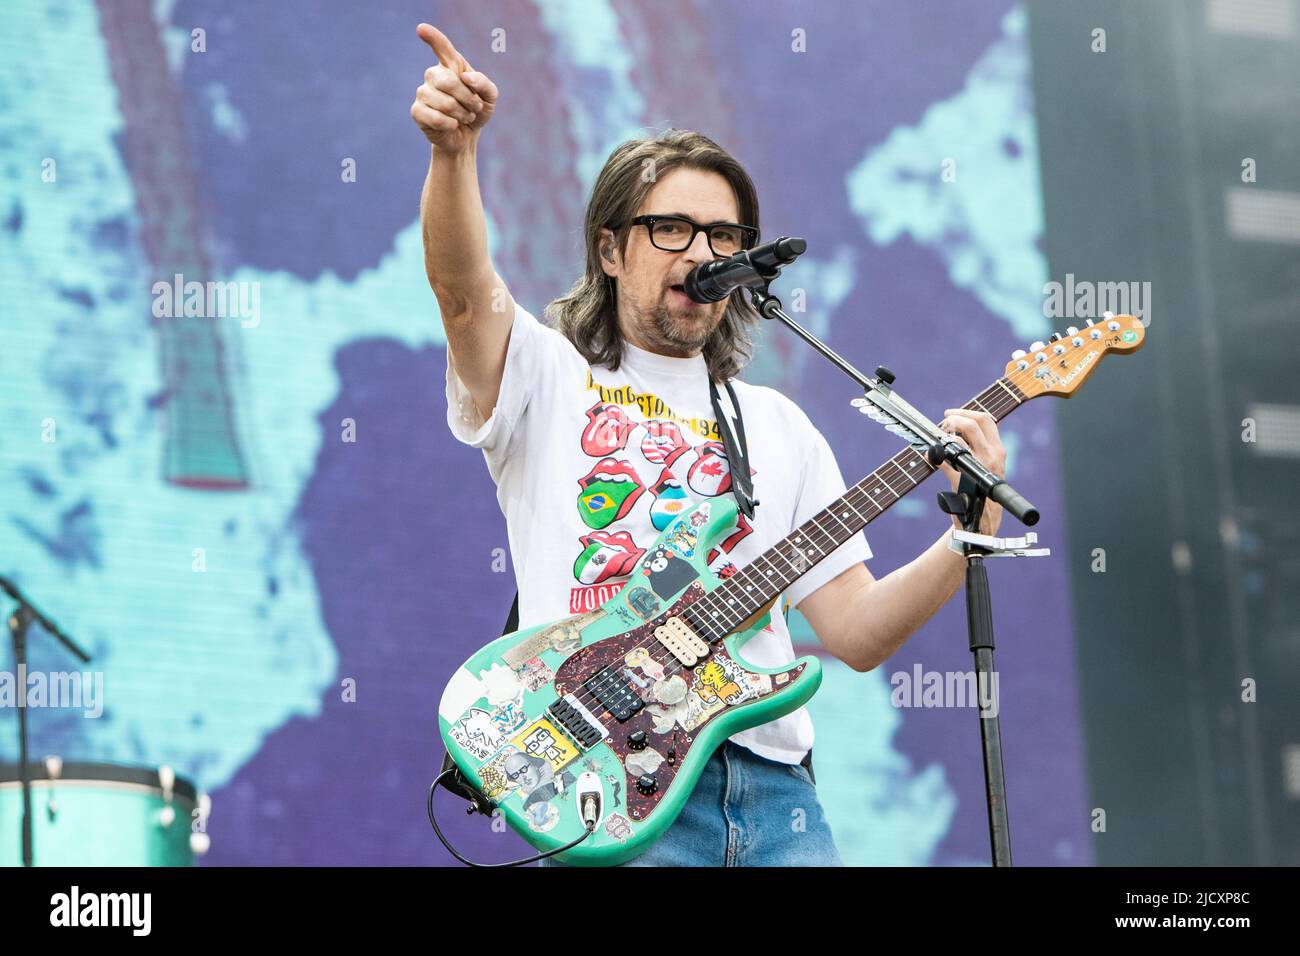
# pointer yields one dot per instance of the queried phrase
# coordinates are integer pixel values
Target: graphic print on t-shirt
(710, 475)
(608, 492)
(663, 442)
(652, 455)
(607, 430)
(606, 556)
(670, 499)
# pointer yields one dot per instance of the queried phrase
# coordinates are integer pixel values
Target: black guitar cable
(590, 825)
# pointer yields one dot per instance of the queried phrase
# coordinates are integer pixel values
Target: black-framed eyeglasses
(676, 233)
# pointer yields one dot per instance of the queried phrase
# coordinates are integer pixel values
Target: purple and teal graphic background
(376, 564)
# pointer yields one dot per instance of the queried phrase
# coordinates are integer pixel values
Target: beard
(684, 328)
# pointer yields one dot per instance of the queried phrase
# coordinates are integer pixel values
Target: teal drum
(99, 814)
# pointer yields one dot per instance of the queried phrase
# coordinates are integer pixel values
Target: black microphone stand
(977, 485)
(967, 505)
(21, 618)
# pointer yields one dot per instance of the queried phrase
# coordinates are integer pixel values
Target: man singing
(599, 429)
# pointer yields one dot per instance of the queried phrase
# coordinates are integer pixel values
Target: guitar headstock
(1060, 365)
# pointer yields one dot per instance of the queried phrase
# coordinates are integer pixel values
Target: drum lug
(167, 780)
(53, 770)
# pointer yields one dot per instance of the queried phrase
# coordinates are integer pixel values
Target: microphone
(714, 281)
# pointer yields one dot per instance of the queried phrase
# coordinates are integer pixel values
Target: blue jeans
(745, 810)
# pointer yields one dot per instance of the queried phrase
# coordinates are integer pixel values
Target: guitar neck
(754, 586)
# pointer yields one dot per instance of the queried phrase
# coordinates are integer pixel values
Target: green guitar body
(544, 713)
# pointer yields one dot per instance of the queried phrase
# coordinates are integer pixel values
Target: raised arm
(451, 107)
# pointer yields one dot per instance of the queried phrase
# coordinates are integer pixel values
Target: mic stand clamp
(967, 543)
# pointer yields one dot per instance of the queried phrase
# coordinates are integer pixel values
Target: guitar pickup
(684, 644)
(615, 693)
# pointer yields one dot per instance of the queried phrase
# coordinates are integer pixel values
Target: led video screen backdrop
(260, 525)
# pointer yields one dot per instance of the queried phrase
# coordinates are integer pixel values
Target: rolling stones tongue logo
(670, 500)
(608, 492)
(663, 442)
(711, 473)
(607, 430)
(606, 556)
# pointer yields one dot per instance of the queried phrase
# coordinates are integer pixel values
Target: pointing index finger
(443, 48)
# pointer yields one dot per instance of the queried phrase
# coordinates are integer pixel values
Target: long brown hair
(587, 315)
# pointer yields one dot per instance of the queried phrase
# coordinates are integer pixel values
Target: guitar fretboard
(725, 608)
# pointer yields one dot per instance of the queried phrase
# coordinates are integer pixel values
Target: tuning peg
(1018, 354)
(1090, 321)
(1072, 331)
(1036, 346)
(1056, 337)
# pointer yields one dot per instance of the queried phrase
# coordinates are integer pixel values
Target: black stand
(967, 504)
(19, 621)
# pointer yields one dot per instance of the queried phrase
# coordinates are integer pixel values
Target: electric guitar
(608, 717)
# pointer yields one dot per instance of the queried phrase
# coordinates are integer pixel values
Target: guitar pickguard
(678, 699)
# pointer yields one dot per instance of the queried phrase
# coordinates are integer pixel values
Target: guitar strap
(733, 439)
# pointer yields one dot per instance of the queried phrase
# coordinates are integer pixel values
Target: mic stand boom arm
(898, 416)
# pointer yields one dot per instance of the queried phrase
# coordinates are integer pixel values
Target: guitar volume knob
(636, 740)
(646, 784)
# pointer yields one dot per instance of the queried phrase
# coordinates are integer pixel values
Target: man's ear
(608, 253)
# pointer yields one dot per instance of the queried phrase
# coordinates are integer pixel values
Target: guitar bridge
(577, 721)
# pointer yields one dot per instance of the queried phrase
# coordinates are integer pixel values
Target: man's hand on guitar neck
(978, 431)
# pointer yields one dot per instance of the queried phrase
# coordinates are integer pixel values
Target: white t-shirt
(590, 464)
